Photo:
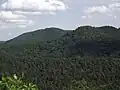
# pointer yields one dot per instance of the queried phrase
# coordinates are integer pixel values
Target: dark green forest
(87, 58)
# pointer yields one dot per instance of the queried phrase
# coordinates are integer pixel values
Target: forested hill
(46, 34)
(85, 40)
(2, 41)
(87, 58)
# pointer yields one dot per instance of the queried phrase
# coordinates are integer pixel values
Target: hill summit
(38, 35)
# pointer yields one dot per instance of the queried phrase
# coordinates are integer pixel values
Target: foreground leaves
(15, 83)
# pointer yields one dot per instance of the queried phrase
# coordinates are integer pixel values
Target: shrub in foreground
(15, 83)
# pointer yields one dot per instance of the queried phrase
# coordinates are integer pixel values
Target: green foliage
(87, 58)
(46, 34)
(15, 83)
(81, 85)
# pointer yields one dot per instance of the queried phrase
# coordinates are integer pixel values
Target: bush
(15, 83)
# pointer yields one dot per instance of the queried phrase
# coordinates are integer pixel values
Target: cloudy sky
(19, 16)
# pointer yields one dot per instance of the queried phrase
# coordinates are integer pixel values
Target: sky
(20, 16)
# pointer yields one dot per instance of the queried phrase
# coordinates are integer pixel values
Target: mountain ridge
(46, 34)
(51, 33)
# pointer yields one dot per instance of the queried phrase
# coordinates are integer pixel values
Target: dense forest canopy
(87, 58)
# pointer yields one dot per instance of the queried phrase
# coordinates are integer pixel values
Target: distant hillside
(85, 40)
(97, 33)
(2, 41)
(39, 35)
(88, 57)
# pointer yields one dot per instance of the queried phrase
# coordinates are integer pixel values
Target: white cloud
(8, 19)
(115, 0)
(30, 22)
(15, 12)
(35, 13)
(97, 9)
(35, 5)
(83, 17)
(114, 6)
(10, 15)
(20, 22)
(22, 26)
(28, 13)
(111, 9)
(86, 17)
(16, 23)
